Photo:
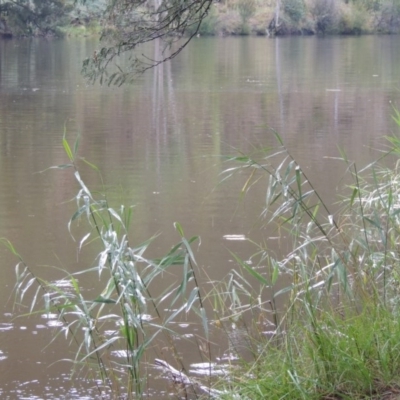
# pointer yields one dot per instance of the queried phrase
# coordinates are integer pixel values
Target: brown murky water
(158, 144)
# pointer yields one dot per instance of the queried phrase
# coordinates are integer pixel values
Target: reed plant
(336, 333)
(113, 331)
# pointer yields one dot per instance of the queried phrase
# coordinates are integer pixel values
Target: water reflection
(4, 326)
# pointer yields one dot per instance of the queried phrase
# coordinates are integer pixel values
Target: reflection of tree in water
(159, 117)
(279, 84)
(163, 102)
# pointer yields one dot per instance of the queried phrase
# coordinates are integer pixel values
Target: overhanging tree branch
(132, 23)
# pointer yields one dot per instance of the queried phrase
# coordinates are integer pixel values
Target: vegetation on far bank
(308, 17)
(23, 18)
(46, 18)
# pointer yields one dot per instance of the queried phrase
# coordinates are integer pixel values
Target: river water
(159, 144)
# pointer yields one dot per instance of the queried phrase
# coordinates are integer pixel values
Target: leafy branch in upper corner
(131, 24)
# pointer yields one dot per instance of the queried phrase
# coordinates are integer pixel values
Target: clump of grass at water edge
(331, 333)
(338, 335)
(113, 332)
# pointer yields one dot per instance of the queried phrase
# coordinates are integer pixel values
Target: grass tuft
(336, 332)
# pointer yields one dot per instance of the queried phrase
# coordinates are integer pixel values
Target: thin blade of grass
(250, 270)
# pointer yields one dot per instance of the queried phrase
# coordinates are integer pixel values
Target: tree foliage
(129, 24)
(32, 17)
(295, 9)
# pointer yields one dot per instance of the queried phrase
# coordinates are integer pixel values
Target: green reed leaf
(298, 180)
(76, 215)
(116, 216)
(93, 166)
(83, 241)
(204, 321)
(34, 300)
(178, 227)
(174, 314)
(278, 137)
(192, 298)
(76, 145)
(353, 196)
(104, 300)
(186, 276)
(343, 154)
(83, 186)
(283, 291)
(26, 287)
(10, 247)
(374, 223)
(75, 284)
(390, 199)
(275, 272)
(106, 344)
(66, 146)
(189, 250)
(250, 270)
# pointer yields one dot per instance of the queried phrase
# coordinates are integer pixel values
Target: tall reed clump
(333, 332)
(113, 331)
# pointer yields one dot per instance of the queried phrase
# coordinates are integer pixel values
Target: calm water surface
(158, 144)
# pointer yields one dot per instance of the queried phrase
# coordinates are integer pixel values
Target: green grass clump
(340, 358)
(336, 333)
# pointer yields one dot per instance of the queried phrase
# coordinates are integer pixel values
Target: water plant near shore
(337, 337)
(113, 331)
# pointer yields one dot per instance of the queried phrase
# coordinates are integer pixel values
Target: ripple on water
(207, 369)
(53, 320)
(6, 326)
(235, 237)
(2, 357)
